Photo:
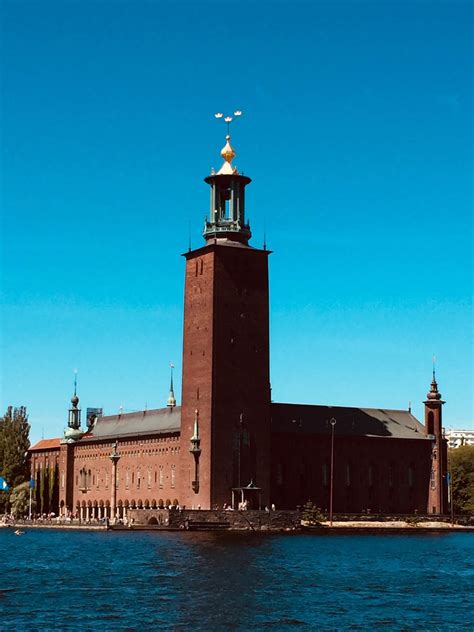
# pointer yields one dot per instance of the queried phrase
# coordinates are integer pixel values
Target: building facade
(459, 438)
(228, 442)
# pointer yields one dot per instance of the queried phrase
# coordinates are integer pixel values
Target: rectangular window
(390, 475)
(173, 476)
(161, 476)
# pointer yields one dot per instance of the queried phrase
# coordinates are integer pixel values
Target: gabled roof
(368, 422)
(158, 421)
(46, 444)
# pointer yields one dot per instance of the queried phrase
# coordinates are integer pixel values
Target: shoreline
(323, 528)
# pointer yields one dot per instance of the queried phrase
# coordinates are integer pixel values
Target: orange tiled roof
(46, 444)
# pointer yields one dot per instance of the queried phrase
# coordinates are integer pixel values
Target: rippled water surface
(221, 581)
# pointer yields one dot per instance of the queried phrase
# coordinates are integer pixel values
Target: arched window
(371, 475)
(279, 474)
(348, 474)
(430, 426)
(324, 472)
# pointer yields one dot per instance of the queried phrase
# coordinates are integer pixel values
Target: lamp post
(239, 474)
(114, 457)
(331, 488)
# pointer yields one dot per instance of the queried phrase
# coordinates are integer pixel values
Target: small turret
(195, 439)
(73, 432)
(433, 393)
(171, 402)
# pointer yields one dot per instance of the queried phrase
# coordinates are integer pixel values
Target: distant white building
(457, 438)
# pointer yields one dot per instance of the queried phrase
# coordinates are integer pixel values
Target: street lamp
(331, 489)
(114, 457)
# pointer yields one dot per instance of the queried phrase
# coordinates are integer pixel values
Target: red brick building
(228, 441)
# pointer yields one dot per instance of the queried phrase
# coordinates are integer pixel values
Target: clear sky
(357, 133)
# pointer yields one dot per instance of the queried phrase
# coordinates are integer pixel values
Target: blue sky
(357, 133)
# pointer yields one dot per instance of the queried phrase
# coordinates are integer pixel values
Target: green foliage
(42, 486)
(312, 514)
(414, 521)
(461, 464)
(14, 444)
(51, 481)
(20, 500)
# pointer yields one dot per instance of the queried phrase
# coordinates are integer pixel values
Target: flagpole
(29, 513)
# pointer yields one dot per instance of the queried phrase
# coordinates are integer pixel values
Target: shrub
(312, 514)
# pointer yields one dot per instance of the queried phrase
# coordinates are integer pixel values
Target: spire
(171, 403)
(75, 398)
(434, 394)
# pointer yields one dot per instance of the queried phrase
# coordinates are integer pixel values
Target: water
(224, 581)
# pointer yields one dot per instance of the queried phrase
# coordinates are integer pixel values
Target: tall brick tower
(225, 414)
(438, 494)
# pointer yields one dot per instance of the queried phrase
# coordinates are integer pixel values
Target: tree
(312, 515)
(14, 445)
(461, 461)
(20, 500)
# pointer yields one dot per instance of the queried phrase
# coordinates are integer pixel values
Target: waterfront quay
(250, 521)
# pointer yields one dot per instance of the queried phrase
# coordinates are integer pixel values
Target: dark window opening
(430, 428)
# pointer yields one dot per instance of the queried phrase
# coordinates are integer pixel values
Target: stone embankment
(76, 526)
(255, 521)
(278, 521)
(389, 526)
(204, 520)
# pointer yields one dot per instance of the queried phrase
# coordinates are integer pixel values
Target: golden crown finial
(227, 152)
